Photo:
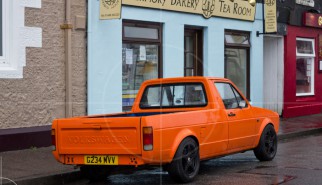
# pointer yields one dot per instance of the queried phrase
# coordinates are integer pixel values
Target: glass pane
(304, 47)
(188, 44)
(167, 96)
(189, 60)
(189, 72)
(174, 95)
(151, 97)
(227, 95)
(304, 75)
(236, 67)
(143, 33)
(179, 95)
(135, 70)
(237, 39)
(194, 95)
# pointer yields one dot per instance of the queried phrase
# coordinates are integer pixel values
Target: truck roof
(184, 79)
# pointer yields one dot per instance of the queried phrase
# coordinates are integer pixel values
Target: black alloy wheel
(186, 162)
(267, 147)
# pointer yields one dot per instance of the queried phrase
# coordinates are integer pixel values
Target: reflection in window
(173, 96)
(140, 59)
(230, 97)
(305, 67)
(237, 46)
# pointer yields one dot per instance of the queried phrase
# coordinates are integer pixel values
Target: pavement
(37, 166)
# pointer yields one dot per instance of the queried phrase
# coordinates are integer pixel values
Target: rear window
(174, 95)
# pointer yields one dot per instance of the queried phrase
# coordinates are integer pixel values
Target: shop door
(273, 73)
(193, 52)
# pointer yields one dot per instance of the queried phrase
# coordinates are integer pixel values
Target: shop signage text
(313, 20)
(237, 9)
(270, 16)
(305, 2)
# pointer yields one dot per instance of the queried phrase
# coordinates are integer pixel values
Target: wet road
(297, 162)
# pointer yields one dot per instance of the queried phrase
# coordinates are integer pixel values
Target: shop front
(199, 38)
(303, 67)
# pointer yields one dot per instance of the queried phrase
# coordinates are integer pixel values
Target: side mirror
(242, 104)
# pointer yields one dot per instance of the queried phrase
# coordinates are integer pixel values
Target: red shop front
(303, 67)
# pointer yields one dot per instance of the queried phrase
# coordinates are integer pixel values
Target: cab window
(230, 97)
(174, 95)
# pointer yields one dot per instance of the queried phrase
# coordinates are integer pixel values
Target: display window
(237, 46)
(141, 57)
(305, 57)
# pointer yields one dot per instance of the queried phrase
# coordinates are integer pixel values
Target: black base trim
(23, 138)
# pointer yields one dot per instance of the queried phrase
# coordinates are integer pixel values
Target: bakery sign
(236, 9)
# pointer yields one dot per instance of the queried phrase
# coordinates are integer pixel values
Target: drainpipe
(67, 26)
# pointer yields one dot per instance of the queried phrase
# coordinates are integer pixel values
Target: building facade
(36, 75)
(302, 57)
(149, 42)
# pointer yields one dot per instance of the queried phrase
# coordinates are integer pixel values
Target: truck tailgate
(99, 136)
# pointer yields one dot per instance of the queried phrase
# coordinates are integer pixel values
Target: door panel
(241, 127)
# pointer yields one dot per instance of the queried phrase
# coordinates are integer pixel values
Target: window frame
(240, 46)
(312, 57)
(197, 34)
(4, 58)
(234, 91)
(159, 26)
(175, 106)
(313, 47)
(158, 42)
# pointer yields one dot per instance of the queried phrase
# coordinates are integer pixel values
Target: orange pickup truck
(174, 122)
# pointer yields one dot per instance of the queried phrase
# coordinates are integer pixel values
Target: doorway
(193, 52)
(273, 73)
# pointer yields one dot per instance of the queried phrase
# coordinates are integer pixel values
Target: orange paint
(121, 134)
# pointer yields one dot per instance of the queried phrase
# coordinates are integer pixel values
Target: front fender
(264, 123)
(179, 138)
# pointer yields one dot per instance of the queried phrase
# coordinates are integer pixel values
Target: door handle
(231, 114)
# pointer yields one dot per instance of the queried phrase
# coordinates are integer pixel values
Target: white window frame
(312, 59)
(4, 59)
(16, 37)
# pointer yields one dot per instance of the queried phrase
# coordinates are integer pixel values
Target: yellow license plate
(101, 159)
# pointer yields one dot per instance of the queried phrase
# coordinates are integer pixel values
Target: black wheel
(186, 162)
(94, 173)
(267, 146)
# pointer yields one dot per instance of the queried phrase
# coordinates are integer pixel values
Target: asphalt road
(297, 162)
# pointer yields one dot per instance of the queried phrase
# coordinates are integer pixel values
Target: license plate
(101, 159)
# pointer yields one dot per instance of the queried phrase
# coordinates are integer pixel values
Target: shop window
(193, 52)
(305, 55)
(141, 57)
(237, 46)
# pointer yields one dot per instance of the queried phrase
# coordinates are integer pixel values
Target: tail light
(53, 139)
(147, 138)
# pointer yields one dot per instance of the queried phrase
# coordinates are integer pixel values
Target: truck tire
(94, 173)
(267, 146)
(186, 162)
